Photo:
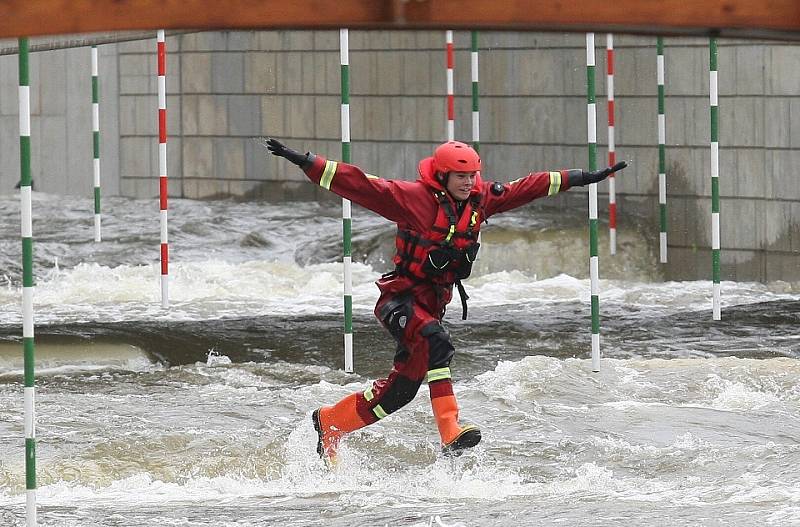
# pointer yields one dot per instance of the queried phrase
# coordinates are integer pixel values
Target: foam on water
(731, 395)
(669, 297)
(353, 485)
(392, 465)
(215, 289)
(725, 384)
(198, 291)
(355, 481)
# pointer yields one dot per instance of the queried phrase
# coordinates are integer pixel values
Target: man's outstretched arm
(504, 197)
(397, 201)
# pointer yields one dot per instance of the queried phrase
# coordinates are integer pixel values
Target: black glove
(579, 178)
(279, 149)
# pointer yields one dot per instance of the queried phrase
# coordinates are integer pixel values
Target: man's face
(459, 184)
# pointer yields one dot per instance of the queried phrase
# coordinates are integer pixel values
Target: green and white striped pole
(347, 218)
(27, 282)
(476, 121)
(96, 142)
(662, 156)
(476, 116)
(715, 235)
(594, 265)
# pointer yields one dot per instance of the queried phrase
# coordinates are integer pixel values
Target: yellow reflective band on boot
(368, 395)
(379, 412)
(327, 174)
(438, 374)
(555, 183)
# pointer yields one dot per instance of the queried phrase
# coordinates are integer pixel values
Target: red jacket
(412, 205)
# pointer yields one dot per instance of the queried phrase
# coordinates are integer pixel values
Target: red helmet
(455, 156)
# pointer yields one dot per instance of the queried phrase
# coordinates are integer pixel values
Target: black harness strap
(409, 246)
(462, 293)
(452, 219)
(409, 236)
(476, 204)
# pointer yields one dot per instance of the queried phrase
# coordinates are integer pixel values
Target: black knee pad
(396, 315)
(440, 348)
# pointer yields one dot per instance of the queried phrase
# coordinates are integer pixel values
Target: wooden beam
(763, 18)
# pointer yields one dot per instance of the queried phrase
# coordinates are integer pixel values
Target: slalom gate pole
(662, 155)
(451, 116)
(476, 120)
(594, 267)
(612, 153)
(27, 283)
(96, 142)
(476, 117)
(344, 47)
(162, 164)
(715, 234)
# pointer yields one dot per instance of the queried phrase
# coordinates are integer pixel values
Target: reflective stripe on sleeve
(439, 374)
(368, 395)
(379, 412)
(555, 183)
(327, 174)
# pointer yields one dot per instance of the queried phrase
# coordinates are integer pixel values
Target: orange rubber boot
(333, 422)
(455, 438)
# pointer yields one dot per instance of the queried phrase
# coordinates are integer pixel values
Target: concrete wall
(61, 121)
(227, 88)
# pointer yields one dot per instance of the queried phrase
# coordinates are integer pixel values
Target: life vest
(444, 254)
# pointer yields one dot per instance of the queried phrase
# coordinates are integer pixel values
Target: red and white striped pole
(162, 164)
(451, 115)
(612, 153)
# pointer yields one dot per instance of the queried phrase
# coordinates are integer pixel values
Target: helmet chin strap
(443, 177)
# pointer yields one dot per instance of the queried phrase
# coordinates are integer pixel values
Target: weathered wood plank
(764, 18)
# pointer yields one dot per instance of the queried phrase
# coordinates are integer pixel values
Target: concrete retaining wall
(61, 121)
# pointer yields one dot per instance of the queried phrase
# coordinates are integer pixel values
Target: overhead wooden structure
(734, 18)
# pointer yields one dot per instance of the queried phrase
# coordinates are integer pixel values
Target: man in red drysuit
(438, 219)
